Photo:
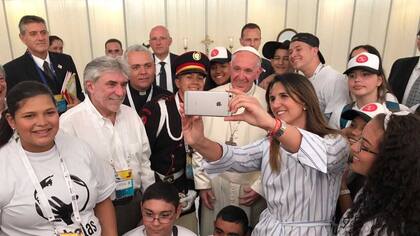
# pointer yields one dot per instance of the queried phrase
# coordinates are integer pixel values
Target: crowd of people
(306, 150)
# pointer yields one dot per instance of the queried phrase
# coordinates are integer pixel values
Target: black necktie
(162, 75)
(47, 70)
(50, 75)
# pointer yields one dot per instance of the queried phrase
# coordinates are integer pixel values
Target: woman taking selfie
(301, 161)
(388, 155)
(51, 183)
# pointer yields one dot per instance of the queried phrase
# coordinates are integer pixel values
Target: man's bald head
(160, 40)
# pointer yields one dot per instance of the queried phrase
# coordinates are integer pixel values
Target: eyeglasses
(163, 218)
(360, 146)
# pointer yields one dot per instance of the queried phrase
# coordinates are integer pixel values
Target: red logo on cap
(214, 52)
(370, 107)
(362, 59)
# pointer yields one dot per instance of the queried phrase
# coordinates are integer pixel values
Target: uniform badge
(196, 56)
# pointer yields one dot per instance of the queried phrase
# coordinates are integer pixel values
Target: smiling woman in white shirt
(50, 182)
(301, 160)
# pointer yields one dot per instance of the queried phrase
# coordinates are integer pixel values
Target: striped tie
(414, 95)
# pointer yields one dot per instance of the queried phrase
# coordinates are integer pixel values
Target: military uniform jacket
(168, 156)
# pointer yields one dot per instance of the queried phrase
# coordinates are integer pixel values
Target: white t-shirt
(141, 231)
(20, 210)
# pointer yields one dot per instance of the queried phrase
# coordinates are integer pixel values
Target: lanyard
(42, 197)
(130, 98)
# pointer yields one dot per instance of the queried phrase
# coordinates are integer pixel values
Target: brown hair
(384, 88)
(249, 26)
(300, 90)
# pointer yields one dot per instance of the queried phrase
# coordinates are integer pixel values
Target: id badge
(188, 168)
(124, 184)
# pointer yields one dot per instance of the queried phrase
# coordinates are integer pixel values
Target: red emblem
(370, 107)
(362, 59)
(214, 52)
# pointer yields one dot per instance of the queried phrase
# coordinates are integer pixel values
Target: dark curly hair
(390, 198)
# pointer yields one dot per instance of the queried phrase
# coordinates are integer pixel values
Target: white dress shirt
(124, 144)
(167, 60)
(40, 62)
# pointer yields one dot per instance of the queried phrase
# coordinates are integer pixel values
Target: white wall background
(85, 25)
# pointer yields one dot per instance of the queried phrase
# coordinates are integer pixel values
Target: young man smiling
(330, 86)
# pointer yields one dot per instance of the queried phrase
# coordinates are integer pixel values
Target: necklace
(233, 130)
(232, 133)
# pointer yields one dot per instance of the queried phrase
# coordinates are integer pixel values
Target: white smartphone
(206, 103)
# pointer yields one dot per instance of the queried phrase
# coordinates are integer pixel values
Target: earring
(304, 108)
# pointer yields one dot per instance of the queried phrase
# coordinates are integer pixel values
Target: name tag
(124, 184)
(188, 168)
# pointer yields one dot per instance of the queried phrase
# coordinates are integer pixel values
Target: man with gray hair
(115, 133)
(233, 188)
(40, 65)
(141, 87)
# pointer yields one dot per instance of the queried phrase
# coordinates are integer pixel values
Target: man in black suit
(402, 79)
(160, 40)
(39, 64)
(251, 36)
(141, 88)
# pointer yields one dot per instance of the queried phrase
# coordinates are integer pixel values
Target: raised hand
(192, 127)
(254, 114)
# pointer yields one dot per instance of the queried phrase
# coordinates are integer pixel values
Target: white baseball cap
(365, 61)
(249, 49)
(220, 55)
(367, 112)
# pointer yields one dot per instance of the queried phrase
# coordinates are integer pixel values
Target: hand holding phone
(207, 103)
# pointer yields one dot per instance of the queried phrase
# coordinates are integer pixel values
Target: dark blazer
(24, 68)
(400, 74)
(172, 58)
